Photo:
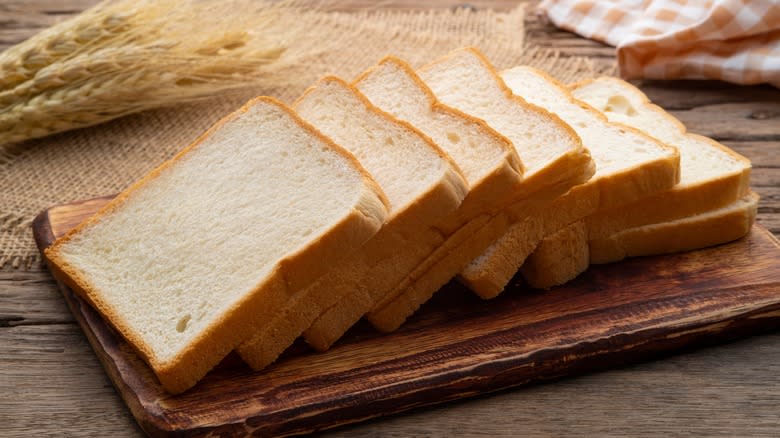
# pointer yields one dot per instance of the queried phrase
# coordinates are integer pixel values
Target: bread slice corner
(629, 166)
(699, 231)
(195, 254)
(424, 187)
(553, 155)
(711, 175)
(558, 258)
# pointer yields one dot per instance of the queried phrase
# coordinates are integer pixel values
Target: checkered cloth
(731, 40)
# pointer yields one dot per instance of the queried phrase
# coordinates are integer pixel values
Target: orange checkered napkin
(731, 40)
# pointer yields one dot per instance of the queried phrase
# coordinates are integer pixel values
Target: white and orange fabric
(731, 40)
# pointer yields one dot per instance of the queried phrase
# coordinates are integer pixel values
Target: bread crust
(188, 366)
(684, 199)
(562, 260)
(571, 168)
(686, 234)
(352, 282)
(489, 274)
(332, 324)
(501, 186)
(510, 155)
(416, 289)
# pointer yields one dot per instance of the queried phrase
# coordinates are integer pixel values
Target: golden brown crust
(443, 264)
(534, 108)
(682, 200)
(373, 108)
(572, 168)
(494, 271)
(670, 205)
(265, 345)
(436, 105)
(417, 289)
(564, 259)
(494, 189)
(662, 112)
(576, 161)
(682, 235)
(488, 278)
(660, 164)
(331, 324)
(209, 347)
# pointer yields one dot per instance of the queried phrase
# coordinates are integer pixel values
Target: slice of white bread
(711, 175)
(629, 166)
(488, 161)
(421, 182)
(556, 264)
(211, 244)
(553, 265)
(552, 153)
(699, 231)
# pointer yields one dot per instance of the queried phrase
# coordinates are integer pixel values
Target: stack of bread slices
(362, 199)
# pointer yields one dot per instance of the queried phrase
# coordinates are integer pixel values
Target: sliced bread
(699, 231)
(629, 166)
(423, 186)
(488, 161)
(556, 264)
(552, 153)
(571, 254)
(712, 176)
(212, 243)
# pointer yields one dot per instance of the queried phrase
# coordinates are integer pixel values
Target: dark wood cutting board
(457, 345)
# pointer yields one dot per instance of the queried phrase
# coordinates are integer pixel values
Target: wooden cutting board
(457, 345)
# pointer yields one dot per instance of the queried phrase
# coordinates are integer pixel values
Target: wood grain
(729, 390)
(734, 121)
(688, 94)
(456, 346)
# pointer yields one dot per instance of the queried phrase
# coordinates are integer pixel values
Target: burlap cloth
(106, 158)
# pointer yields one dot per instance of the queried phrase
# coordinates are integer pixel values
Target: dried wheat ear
(126, 56)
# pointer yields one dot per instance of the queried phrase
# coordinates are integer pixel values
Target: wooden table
(51, 384)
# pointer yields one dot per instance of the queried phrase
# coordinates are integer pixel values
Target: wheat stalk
(129, 55)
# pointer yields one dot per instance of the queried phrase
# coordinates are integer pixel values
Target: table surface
(51, 383)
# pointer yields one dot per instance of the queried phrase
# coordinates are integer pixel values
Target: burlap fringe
(107, 158)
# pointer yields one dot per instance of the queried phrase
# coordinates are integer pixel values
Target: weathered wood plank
(746, 121)
(760, 153)
(541, 33)
(76, 399)
(762, 176)
(51, 384)
(704, 393)
(683, 95)
(31, 297)
(770, 200)
(727, 391)
(769, 208)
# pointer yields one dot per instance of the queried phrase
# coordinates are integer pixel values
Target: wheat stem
(129, 55)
